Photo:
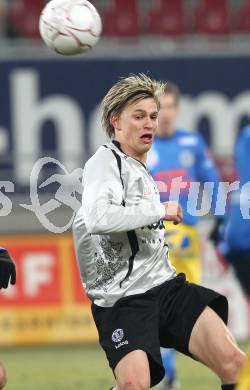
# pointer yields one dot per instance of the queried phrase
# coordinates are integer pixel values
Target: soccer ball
(70, 27)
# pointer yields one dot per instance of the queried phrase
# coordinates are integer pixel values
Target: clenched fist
(173, 212)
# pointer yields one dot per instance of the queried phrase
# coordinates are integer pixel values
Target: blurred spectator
(212, 17)
(125, 19)
(168, 18)
(243, 18)
(132, 18)
(3, 17)
(23, 18)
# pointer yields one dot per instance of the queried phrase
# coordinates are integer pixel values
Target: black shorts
(240, 261)
(164, 316)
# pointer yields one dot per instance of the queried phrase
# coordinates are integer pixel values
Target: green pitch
(82, 368)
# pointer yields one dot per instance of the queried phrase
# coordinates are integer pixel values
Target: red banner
(48, 303)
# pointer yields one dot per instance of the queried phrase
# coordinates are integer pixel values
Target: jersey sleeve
(206, 170)
(103, 195)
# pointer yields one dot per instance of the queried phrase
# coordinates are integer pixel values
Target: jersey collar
(118, 145)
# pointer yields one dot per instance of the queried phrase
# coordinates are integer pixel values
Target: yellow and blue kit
(183, 155)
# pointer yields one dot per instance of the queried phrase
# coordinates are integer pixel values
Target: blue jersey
(185, 155)
(237, 231)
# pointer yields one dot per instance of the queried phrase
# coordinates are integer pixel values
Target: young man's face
(136, 127)
(167, 115)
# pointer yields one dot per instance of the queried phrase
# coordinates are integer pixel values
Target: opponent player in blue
(235, 246)
(178, 158)
(7, 274)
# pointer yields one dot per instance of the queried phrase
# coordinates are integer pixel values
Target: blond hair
(126, 91)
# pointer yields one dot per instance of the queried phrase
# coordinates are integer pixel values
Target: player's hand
(173, 212)
(7, 269)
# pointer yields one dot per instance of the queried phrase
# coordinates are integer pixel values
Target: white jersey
(118, 231)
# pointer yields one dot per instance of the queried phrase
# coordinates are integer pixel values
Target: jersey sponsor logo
(169, 174)
(117, 335)
(188, 141)
(186, 158)
(172, 180)
(121, 344)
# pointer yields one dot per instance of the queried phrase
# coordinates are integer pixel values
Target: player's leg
(168, 360)
(185, 256)
(211, 343)
(193, 322)
(3, 378)
(132, 372)
(131, 343)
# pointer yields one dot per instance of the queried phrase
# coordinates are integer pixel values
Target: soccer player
(180, 153)
(235, 246)
(138, 302)
(7, 274)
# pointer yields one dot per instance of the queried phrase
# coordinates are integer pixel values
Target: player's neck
(131, 152)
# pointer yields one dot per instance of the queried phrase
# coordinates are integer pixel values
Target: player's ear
(114, 120)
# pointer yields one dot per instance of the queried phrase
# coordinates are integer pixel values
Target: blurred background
(50, 107)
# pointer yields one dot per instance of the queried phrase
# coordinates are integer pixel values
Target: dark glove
(216, 233)
(7, 269)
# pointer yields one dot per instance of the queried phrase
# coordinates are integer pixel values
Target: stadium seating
(243, 18)
(24, 15)
(212, 17)
(168, 18)
(122, 19)
(130, 18)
